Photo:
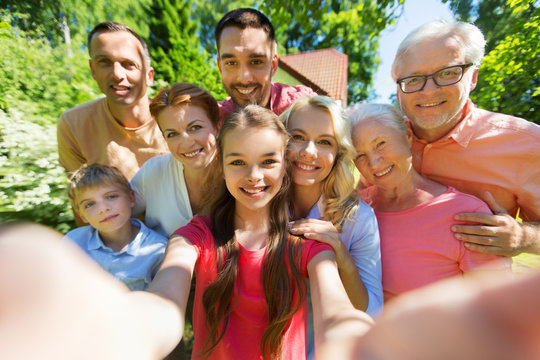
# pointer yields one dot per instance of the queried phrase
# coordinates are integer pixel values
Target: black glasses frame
(425, 77)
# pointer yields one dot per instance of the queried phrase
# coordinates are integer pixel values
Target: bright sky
(416, 13)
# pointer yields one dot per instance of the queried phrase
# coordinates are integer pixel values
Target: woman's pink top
(418, 247)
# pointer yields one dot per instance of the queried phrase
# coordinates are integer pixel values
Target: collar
(273, 94)
(318, 209)
(96, 243)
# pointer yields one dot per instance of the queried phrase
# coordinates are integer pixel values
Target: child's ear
(132, 198)
(81, 216)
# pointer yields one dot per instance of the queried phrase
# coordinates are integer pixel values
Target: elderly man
(247, 60)
(116, 130)
(493, 156)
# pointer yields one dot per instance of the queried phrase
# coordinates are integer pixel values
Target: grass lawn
(525, 263)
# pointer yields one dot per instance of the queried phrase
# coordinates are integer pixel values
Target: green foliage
(175, 48)
(493, 17)
(37, 83)
(208, 13)
(32, 185)
(62, 21)
(352, 27)
(509, 79)
(38, 79)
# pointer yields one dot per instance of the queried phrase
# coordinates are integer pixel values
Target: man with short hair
(493, 156)
(116, 130)
(247, 60)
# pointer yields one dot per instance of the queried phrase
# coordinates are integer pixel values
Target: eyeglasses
(444, 77)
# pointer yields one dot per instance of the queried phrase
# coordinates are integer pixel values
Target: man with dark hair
(247, 60)
(116, 130)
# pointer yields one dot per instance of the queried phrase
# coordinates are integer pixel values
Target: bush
(37, 83)
(32, 184)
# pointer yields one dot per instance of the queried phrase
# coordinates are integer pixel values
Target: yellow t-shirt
(89, 134)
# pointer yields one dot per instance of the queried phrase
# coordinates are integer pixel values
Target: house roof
(325, 71)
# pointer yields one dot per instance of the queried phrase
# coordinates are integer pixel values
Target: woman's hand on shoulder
(319, 230)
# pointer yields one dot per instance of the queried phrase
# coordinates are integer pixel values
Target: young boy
(123, 246)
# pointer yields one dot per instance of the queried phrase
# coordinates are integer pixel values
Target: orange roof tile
(325, 71)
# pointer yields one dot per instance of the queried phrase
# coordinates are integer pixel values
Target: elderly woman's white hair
(383, 113)
(470, 36)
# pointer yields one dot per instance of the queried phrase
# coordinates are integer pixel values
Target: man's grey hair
(470, 36)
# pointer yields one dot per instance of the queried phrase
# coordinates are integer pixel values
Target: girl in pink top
(414, 213)
(250, 300)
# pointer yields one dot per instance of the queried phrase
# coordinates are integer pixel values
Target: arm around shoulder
(531, 233)
(497, 233)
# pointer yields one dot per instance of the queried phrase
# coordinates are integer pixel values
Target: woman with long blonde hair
(323, 204)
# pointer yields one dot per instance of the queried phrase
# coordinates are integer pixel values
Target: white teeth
(192, 154)
(253, 191)
(306, 167)
(245, 91)
(384, 172)
(429, 105)
(120, 87)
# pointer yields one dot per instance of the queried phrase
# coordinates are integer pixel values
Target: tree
(176, 50)
(509, 77)
(208, 13)
(352, 27)
(68, 21)
(33, 91)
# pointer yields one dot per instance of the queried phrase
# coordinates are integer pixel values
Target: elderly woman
(414, 213)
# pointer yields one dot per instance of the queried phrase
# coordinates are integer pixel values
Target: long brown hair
(279, 282)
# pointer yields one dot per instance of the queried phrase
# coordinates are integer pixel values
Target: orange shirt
(487, 151)
(89, 134)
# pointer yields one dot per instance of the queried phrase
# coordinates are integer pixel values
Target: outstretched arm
(324, 231)
(498, 234)
(335, 319)
(173, 280)
(58, 304)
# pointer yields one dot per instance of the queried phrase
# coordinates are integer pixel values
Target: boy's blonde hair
(94, 175)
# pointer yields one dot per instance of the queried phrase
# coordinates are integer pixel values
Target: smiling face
(435, 110)
(107, 207)
(313, 147)
(253, 166)
(383, 154)
(247, 63)
(190, 135)
(119, 68)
